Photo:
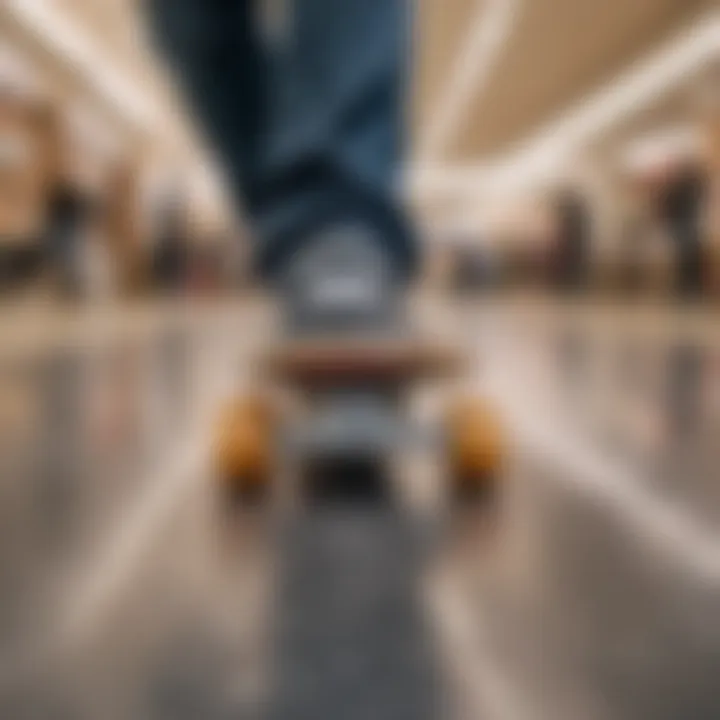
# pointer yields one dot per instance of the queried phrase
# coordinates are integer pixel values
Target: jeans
(308, 122)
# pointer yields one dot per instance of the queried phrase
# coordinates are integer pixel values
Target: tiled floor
(127, 590)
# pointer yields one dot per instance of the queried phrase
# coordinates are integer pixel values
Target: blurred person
(67, 213)
(170, 251)
(681, 206)
(573, 240)
(308, 121)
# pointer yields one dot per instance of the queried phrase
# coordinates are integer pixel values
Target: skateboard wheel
(475, 447)
(243, 446)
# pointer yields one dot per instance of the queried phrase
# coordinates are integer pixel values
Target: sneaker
(342, 283)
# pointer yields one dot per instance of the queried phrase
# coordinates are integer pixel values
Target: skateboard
(348, 414)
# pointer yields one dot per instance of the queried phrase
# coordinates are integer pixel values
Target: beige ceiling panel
(560, 51)
(440, 29)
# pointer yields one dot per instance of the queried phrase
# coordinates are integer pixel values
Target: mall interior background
(555, 145)
(565, 177)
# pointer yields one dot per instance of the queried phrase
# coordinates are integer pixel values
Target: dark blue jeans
(309, 124)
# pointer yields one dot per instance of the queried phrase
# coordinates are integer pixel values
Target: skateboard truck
(356, 423)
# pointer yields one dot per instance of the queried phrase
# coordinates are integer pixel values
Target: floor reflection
(573, 601)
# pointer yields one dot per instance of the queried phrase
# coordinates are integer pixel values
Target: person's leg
(310, 131)
(336, 139)
(216, 55)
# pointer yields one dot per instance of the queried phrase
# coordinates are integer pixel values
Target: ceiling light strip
(546, 151)
(60, 34)
(492, 24)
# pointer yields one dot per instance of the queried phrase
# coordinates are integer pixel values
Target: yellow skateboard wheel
(476, 447)
(243, 449)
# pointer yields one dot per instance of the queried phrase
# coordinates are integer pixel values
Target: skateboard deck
(328, 363)
(355, 412)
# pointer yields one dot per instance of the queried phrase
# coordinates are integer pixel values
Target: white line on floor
(535, 428)
(138, 526)
(485, 689)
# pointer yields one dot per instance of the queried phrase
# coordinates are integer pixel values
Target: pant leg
(336, 137)
(216, 54)
(311, 134)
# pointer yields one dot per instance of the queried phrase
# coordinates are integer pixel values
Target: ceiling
(489, 73)
(556, 52)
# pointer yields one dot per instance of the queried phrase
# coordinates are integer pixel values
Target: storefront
(28, 151)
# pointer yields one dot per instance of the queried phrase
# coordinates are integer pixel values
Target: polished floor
(588, 592)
